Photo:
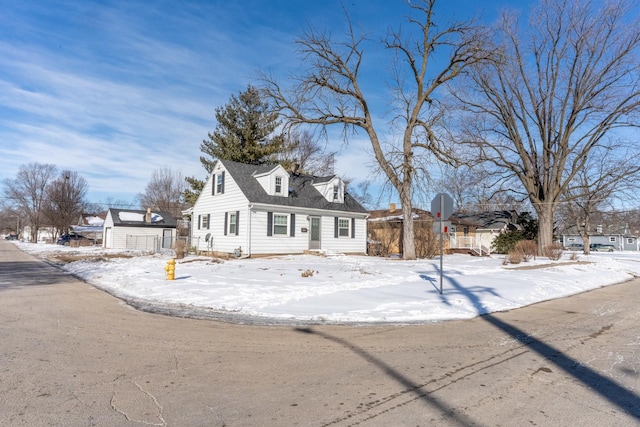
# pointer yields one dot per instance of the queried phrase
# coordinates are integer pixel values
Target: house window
(233, 221)
(466, 231)
(612, 239)
(220, 183)
(336, 192)
(344, 227)
(629, 241)
(278, 185)
(205, 221)
(280, 225)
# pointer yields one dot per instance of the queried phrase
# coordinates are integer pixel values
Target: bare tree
(328, 92)
(562, 85)
(26, 194)
(164, 192)
(65, 201)
(608, 174)
(477, 189)
(301, 149)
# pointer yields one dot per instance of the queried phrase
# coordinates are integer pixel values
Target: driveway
(73, 355)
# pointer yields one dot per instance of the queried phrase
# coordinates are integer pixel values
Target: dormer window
(336, 193)
(278, 185)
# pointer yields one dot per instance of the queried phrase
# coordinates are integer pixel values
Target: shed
(138, 229)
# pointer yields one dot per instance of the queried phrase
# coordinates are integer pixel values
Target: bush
(505, 242)
(529, 249)
(180, 248)
(553, 252)
(515, 256)
(427, 242)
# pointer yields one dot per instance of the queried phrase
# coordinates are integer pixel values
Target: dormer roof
(300, 193)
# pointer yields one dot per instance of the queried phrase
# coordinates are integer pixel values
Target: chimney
(147, 217)
(392, 207)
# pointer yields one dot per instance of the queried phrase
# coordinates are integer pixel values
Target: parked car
(11, 236)
(575, 247)
(66, 239)
(599, 247)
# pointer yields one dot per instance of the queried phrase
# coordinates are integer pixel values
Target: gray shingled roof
(167, 220)
(494, 220)
(302, 193)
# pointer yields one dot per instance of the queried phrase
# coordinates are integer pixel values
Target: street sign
(441, 206)
(441, 209)
(441, 226)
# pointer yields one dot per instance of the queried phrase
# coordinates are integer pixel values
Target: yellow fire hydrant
(170, 268)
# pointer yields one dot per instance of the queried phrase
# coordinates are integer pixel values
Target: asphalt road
(72, 355)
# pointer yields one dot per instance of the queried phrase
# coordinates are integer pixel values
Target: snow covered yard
(334, 288)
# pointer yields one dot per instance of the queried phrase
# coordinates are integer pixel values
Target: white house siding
(215, 207)
(109, 243)
(486, 237)
(261, 243)
(264, 244)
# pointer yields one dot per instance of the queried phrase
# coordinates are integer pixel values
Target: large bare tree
(164, 192)
(26, 194)
(65, 200)
(563, 83)
(608, 175)
(330, 91)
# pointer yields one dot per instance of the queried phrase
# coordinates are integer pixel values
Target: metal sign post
(441, 209)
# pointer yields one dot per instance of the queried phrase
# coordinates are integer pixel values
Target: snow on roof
(138, 217)
(94, 220)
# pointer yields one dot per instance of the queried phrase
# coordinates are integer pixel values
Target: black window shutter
(237, 222)
(208, 221)
(269, 223)
(292, 232)
(222, 182)
(353, 228)
(335, 227)
(213, 185)
(199, 221)
(226, 219)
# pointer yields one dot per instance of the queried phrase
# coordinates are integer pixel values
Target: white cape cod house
(249, 210)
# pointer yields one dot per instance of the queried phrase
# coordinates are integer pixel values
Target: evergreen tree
(244, 133)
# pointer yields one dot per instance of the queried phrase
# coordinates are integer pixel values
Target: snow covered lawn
(335, 288)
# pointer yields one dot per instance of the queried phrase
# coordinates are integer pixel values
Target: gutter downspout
(249, 229)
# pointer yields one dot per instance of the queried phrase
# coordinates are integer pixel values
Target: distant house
(138, 229)
(386, 233)
(619, 236)
(476, 232)
(249, 210)
(91, 227)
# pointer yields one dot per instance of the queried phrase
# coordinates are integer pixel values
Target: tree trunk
(408, 240)
(545, 226)
(583, 231)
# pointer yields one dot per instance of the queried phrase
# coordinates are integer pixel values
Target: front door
(314, 235)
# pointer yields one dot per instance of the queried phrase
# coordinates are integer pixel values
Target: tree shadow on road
(413, 389)
(605, 387)
(20, 274)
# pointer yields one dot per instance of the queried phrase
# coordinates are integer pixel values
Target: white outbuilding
(138, 230)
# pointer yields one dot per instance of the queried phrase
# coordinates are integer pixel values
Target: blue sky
(117, 89)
